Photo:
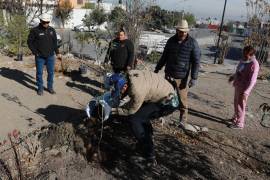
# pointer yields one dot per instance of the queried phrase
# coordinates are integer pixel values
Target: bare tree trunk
(5, 17)
(257, 13)
(98, 2)
(135, 20)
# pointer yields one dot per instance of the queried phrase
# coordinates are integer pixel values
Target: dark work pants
(142, 128)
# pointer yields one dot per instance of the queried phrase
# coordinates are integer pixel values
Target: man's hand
(122, 111)
(59, 56)
(139, 61)
(114, 111)
(192, 83)
(105, 63)
(156, 71)
(231, 78)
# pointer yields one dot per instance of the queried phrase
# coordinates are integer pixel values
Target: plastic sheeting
(105, 101)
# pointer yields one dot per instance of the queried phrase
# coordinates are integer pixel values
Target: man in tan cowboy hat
(181, 57)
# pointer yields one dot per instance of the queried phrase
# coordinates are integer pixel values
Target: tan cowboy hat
(182, 26)
(45, 17)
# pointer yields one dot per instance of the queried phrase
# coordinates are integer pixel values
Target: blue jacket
(180, 58)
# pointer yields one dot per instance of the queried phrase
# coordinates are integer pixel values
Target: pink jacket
(246, 75)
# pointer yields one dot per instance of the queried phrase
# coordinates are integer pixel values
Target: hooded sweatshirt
(246, 75)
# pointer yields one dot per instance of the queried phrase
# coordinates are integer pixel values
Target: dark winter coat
(145, 86)
(180, 58)
(43, 41)
(120, 53)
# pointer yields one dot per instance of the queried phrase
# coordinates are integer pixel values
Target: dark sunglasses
(177, 30)
(45, 22)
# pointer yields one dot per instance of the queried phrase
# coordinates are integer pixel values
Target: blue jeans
(49, 62)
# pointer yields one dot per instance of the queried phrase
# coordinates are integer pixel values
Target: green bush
(89, 6)
(153, 57)
(16, 35)
(96, 17)
(2, 42)
(118, 17)
(190, 19)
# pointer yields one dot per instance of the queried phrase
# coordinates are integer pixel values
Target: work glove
(59, 56)
(231, 79)
(156, 71)
(192, 83)
(128, 68)
(122, 112)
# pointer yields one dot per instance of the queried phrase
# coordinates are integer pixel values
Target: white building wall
(77, 15)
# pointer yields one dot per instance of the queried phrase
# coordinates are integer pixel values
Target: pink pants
(239, 107)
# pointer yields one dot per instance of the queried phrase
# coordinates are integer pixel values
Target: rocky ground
(54, 143)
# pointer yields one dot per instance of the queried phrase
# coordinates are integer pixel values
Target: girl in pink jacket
(243, 80)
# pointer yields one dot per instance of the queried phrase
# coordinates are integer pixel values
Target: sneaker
(232, 120)
(51, 91)
(179, 123)
(40, 92)
(234, 126)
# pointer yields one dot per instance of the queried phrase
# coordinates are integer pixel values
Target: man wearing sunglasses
(42, 41)
(181, 57)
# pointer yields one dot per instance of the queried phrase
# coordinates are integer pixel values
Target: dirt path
(22, 109)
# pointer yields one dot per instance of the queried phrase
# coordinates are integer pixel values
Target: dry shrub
(62, 65)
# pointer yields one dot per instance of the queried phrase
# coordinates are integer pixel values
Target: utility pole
(41, 7)
(220, 31)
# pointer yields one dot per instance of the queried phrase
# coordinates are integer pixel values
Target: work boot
(178, 123)
(40, 92)
(182, 121)
(51, 91)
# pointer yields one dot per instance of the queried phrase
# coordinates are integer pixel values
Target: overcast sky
(236, 9)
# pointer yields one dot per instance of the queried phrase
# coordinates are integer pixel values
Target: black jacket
(180, 58)
(43, 41)
(120, 53)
